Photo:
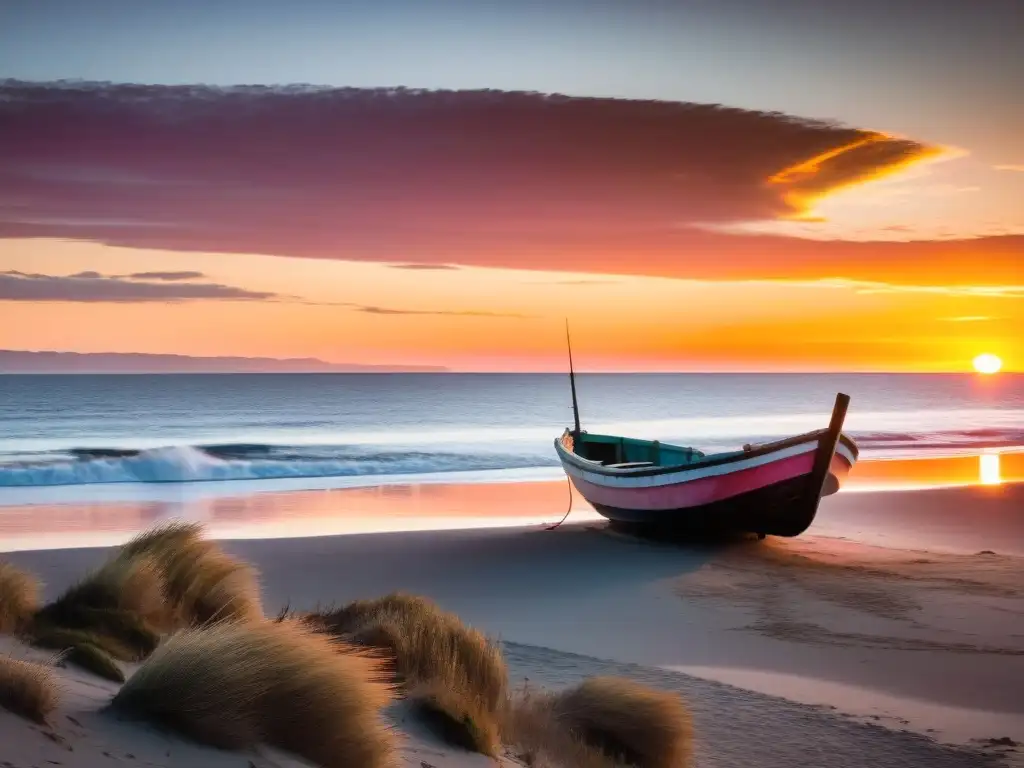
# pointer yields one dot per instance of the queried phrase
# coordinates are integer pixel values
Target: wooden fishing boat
(768, 489)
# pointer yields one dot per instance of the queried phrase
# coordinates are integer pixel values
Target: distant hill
(15, 361)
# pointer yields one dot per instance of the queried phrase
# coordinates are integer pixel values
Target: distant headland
(17, 361)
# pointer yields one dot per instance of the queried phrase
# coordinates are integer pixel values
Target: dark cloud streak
(414, 266)
(372, 310)
(166, 276)
(92, 287)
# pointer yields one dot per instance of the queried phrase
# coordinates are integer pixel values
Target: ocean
(370, 429)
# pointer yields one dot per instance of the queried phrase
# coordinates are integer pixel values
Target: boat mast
(572, 381)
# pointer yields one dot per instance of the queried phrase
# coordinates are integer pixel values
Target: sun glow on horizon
(988, 364)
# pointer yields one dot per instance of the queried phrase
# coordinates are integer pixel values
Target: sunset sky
(717, 185)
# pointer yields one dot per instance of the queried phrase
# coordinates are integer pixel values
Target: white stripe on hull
(629, 479)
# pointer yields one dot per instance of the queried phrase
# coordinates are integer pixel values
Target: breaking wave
(180, 464)
(258, 461)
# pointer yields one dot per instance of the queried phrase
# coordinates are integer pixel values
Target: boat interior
(617, 452)
(628, 453)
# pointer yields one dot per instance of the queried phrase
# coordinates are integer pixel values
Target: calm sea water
(92, 429)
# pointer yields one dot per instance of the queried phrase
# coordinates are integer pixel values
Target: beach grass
(163, 539)
(457, 719)
(62, 639)
(164, 579)
(630, 723)
(234, 685)
(538, 740)
(28, 689)
(87, 650)
(122, 600)
(202, 583)
(454, 675)
(94, 659)
(210, 585)
(429, 644)
(19, 598)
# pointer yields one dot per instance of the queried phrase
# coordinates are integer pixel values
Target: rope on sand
(567, 511)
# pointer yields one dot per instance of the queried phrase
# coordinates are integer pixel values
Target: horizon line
(395, 370)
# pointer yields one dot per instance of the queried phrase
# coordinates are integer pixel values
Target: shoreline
(895, 513)
(988, 466)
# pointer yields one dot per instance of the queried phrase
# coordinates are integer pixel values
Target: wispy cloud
(871, 287)
(580, 281)
(93, 287)
(414, 266)
(372, 310)
(166, 276)
(1010, 167)
(969, 319)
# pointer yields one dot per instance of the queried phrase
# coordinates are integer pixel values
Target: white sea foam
(181, 464)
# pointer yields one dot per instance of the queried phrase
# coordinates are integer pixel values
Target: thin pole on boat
(572, 381)
(576, 422)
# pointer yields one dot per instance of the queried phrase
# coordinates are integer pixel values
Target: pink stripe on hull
(706, 490)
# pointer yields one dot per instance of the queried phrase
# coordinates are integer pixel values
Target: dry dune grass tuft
(627, 721)
(19, 598)
(202, 583)
(211, 585)
(60, 639)
(121, 600)
(161, 580)
(235, 685)
(87, 650)
(94, 659)
(540, 741)
(457, 719)
(161, 539)
(429, 645)
(28, 689)
(453, 673)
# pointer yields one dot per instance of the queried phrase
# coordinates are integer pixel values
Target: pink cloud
(436, 179)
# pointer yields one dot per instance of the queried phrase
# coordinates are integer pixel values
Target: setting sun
(987, 364)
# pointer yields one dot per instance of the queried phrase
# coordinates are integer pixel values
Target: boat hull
(773, 491)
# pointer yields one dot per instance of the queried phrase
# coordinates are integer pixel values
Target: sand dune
(734, 728)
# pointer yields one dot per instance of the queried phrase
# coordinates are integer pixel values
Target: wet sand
(885, 502)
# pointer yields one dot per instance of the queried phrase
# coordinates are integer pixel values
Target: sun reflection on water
(988, 469)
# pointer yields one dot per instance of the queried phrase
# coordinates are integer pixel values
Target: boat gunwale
(710, 461)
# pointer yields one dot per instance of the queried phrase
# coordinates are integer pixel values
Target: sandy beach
(863, 643)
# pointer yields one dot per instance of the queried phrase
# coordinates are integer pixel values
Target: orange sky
(836, 186)
(618, 322)
(673, 236)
